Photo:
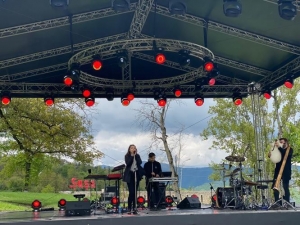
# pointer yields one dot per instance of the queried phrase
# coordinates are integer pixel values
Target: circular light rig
(267, 94)
(177, 92)
(208, 65)
(68, 81)
(199, 101)
(90, 101)
(114, 201)
(160, 58)
(36, 205)
(125, 102)
(49, 101)
(62, 204)
(86, 93)
(289, 83)
(130, 96)
(97, 64)
(162, 102)
(141, 201)
(5, 99)
(237, 99)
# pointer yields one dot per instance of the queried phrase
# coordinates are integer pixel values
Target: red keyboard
(114, 176)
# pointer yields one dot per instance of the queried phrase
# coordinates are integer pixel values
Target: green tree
(33, 130)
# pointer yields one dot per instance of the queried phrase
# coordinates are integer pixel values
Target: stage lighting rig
(177, 92)
(122, 58)
(141, 202)
(169, 201)
(110, 95)
(287, 9)
(49, 100)
(237, 99)
(267, 94)
(36, 205)
(120, 5)
(86, 92)
(59, 3)
(160, 97)
(184, 58)
(130, 96)
(208, 65)
(177, 7)
(115, 201)
(199, 100)
(90, 101)
(211, 77)
(5, 98)
(97, 63)
(232, 8)
(160, 57)
(62, 204)
(124, 100)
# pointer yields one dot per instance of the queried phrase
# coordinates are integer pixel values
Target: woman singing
(132, 175)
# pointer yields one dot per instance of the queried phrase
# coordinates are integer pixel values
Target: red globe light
(237, 101)
(125, 102)
(62, 202)
(199, 101)
(97, 64)
(141, 200)
(177, 93)
(208, 66)
(5, 100)
(130, 96)
(162, 102)
(114, 201)
(267, 95)
(49, 101)
(160, 58)
(169, 200)
(86, 93)
(289, 84)
(68, 81)
(36, 204)
(90, 102)
(212, 82)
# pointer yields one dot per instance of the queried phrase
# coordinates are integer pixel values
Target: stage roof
(36, 45)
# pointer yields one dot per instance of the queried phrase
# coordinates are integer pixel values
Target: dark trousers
(153, 194)
(132, 192)
(285, 185)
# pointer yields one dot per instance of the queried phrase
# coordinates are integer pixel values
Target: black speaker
(189, 203)
(78, 208)
(162, 195)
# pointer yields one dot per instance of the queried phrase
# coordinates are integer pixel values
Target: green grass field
(20, 201)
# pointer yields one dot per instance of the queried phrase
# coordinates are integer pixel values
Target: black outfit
(153, 187)
(129, 178)
(286, 175)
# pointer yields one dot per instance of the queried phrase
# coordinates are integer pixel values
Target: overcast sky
(115, 128)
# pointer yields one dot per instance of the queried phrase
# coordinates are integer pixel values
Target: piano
(163, 179)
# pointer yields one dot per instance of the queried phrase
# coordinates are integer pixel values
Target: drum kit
(239, 194)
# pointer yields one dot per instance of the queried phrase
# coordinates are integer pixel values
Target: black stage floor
(165, 217)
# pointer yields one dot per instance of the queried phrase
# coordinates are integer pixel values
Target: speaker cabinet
(78, 208)
(189, 203)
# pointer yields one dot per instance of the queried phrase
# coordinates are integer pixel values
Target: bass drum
(224, 196)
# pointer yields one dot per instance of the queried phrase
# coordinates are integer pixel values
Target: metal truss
(59, 51)
(60, 90)
(126, 71)
(60, 22)
(175, 65)
(139, 19)
(133, 45)
(249, 36)
(33, 73)
(297, 3)
(279, 75)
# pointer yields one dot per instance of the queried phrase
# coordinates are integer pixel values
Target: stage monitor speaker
(189, 203)
(78, 208)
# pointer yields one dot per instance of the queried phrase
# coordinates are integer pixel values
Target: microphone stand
(211, 195)
(135, 184)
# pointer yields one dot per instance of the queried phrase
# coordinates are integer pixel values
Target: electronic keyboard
(163, 179)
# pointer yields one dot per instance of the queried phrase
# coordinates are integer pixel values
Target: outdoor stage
(166, 217)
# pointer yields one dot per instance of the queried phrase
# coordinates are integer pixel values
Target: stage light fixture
(90, 101)
(289, 83)
(36, 205)
(59, 3)
(237, 99)
(110, 95)
(49, 101)
(86, 93)
(160, 58)
(177, 7)
(125, 101)
(199, 100)
(208, 65)
(169, 200)
(62, 204)
(141, 202)
(177, 92)
(287, 9)
(232, 8)
(184, 58)
(122, 58)
(5, 98)
(162, 102)
(68, 81)
(114, 201)
(267, 94)
(130, 96)
(120, 5)
(97, 63)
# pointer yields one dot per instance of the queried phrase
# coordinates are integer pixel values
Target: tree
(152, 118)
(33, 130)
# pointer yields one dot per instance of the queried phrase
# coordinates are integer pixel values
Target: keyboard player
(152, 169)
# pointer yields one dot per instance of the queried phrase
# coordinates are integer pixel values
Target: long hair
(128, 151)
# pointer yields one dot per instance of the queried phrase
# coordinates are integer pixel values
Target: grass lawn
(20, 201)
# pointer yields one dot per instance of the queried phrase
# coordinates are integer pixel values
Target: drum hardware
(232, 158)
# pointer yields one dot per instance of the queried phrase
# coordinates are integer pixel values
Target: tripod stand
(284, 204)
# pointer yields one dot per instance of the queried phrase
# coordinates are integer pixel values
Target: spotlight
(177, 92)
(177, 7)
(49, 101)
(36, 205)
(86, 93)
(62, 204)
(169, 201)
(160, 58)
(59, 3)
(232, 8)
(237, 99)
(130, 96)
(125, 101)
(114, 201)
(90, 101)
(184, 59)
(267, 94)
(68, 81)
(5, 98)
(120, 5)
(141, 202)
(97, 63)
(110, 95)
(122, 58)
(289, 83)
(162, 102)
(208, 65)
(199, 100)
(75, 70)
(287, 9)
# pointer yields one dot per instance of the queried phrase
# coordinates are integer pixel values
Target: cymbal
(236, 170)
(233, 158)
(250, 183)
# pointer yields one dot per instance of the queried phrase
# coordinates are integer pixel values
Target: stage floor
(166, 217)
